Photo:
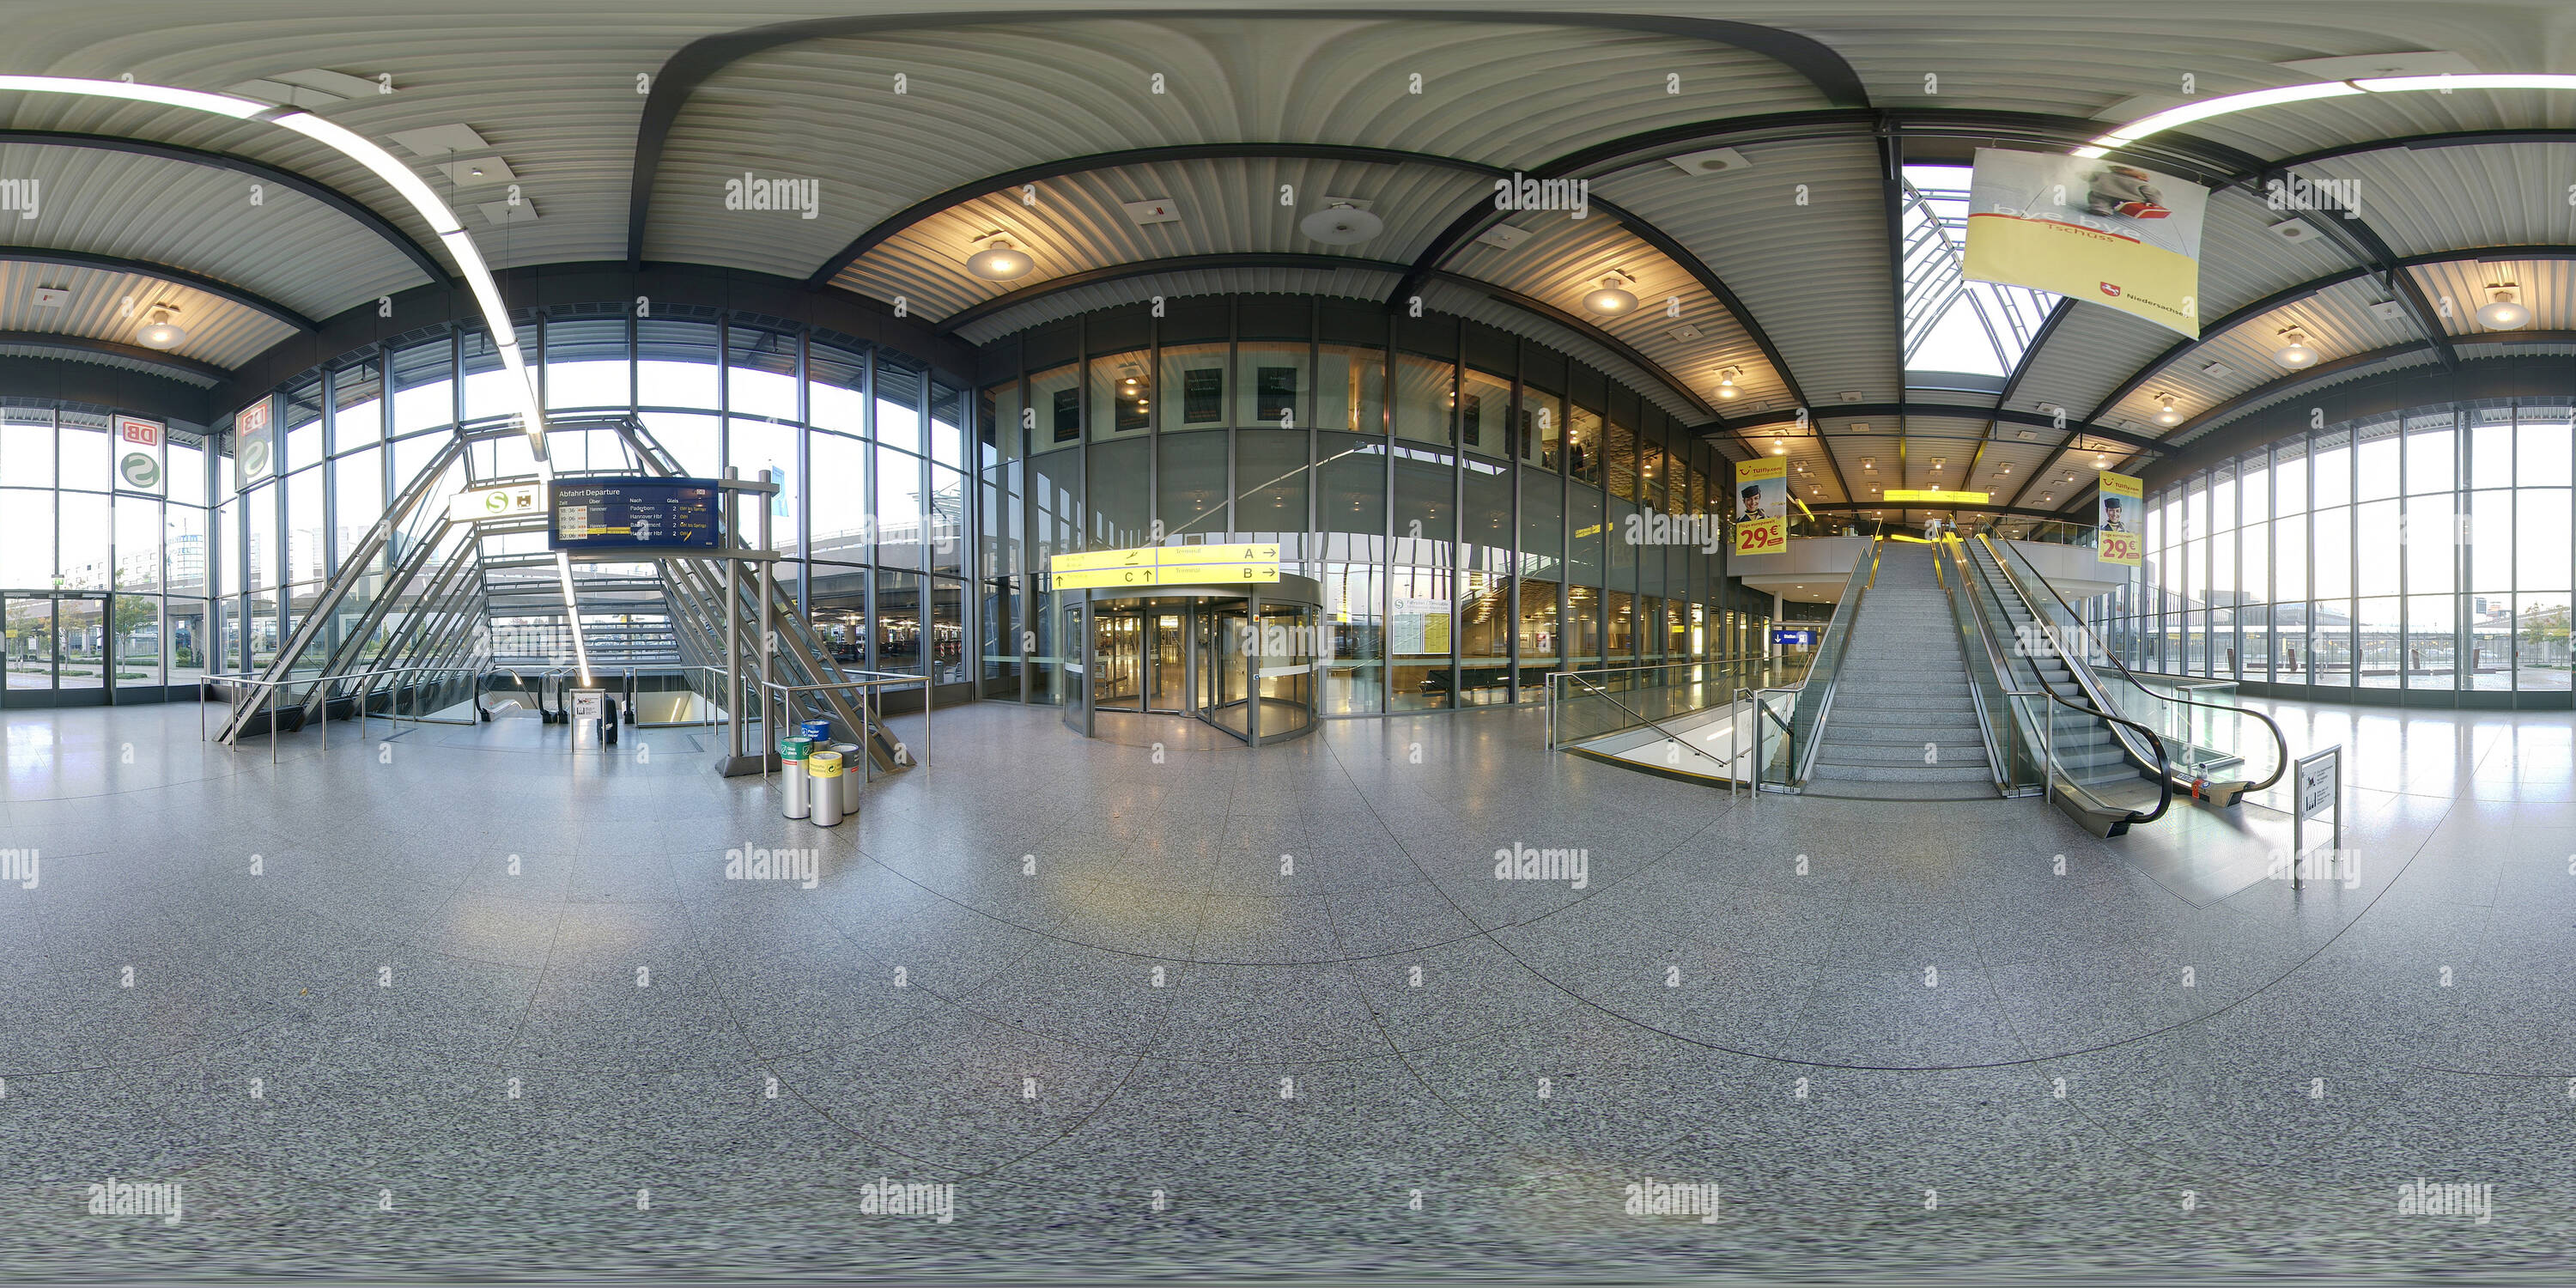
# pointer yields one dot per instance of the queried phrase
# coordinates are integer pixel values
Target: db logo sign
(141, 433)
(2111, 289)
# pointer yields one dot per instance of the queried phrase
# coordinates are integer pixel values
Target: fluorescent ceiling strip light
(2230, 103)
(384, 165)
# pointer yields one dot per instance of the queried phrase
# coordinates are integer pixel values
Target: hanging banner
(251, 448)
(1761, 506)
(2121, 501)
(138, 462)
(2098, 230)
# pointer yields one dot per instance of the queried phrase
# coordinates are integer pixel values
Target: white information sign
(520, 501)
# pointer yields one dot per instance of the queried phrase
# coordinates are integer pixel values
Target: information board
(616, 513)
(1165, 566)
(521, 501)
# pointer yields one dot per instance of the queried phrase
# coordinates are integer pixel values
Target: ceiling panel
(108, 305)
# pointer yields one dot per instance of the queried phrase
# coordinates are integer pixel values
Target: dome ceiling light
(1341, 224)
(1612, 299)
(2295, 354)
(2168, 417)
(1726, 384)
(160, 332)
(999, 261)
(2502, 312)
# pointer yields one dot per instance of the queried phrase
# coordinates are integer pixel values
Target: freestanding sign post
(2319, 784)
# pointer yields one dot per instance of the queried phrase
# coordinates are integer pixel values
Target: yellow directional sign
(1165, 566)
(1919, 496)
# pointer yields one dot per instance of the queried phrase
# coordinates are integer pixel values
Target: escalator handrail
(2089, 707)
(2280, 741)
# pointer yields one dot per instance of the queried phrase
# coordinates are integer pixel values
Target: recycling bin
(851, 783)
(818, 730)
(791, 770)
(824, 769)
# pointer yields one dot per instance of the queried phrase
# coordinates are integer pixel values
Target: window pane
(762, 377)
(899, 508)
(2432, 545)
(1121, 395)
(2379, 541)
(1350, 389)
(82, 556)
(1271, 378)
(358, 495)
(2333, 559)
(690, 439)
(767, 453)
(27, 537)
(185, 532)
(88, 452)
(138, 543)
(675, 363)
(424, 391)
(835, 387)
(2541, 448)
(1483, 401)
(898, 404)
(2491, 448)
(1424, 395)
(27, 450)
(488, 385)
(2431, 449)
(358, 406)
(947, 419)
(586, 363)
(304, 425)
(840, 498)
(304, 545)
(2540, 546)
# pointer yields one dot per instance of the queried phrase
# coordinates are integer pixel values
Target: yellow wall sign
(2121, 502)
(1761, 506)
(1165, 566)
(1920, 496)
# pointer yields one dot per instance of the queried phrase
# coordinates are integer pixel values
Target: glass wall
(2415, 556)
(104, 554)
(1461, 496)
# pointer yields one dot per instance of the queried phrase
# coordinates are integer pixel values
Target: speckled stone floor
(1195, 1010)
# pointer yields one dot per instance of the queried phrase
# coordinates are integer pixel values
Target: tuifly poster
(2099, 230)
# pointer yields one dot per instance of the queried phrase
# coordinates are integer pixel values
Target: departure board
(615, 513)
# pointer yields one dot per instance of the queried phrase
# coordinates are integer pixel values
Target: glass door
(1165, 652)
(30, 642)
(1074, 628)
(81, 650)
(1118, 659)
(1225, 680)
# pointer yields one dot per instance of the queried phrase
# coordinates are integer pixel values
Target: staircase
(1902, 725)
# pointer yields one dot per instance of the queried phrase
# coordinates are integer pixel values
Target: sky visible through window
(1952, 324)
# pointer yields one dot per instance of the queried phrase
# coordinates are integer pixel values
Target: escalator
(2115, 749)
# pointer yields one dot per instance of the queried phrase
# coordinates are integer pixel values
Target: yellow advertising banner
(1761, 506)
(2121, 503)
(2088, 229)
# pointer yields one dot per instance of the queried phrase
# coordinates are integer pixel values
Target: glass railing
(1583, 705)
(2046, 532)
(1787, 716)
(2218, 749)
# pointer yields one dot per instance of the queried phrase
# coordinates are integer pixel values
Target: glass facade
(2414, 556)
(104, 556)
(1461, 496)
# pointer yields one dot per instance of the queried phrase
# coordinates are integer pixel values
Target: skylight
(1951, 323)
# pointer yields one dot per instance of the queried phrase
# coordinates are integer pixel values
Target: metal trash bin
(817, 731)
(853, 780)
(799, 795)
(824, 769)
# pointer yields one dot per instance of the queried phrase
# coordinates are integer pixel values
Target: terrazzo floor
(431, 1005)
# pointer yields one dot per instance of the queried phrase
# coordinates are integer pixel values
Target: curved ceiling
(621, 122)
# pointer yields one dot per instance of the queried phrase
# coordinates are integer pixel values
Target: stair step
(1861, 791)
(1975, 772)
(1948, 753)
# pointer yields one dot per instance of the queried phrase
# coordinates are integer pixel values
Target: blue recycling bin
(818, 730)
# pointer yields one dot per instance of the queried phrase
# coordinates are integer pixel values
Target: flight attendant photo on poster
(1761, 507)
(2118, 519)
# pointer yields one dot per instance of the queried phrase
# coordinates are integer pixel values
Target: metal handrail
(2281, 742)
(1994, 659)
(869, 712)
(1829, 642)
(1553, 676)
(2093, 706)
(1650, 721)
